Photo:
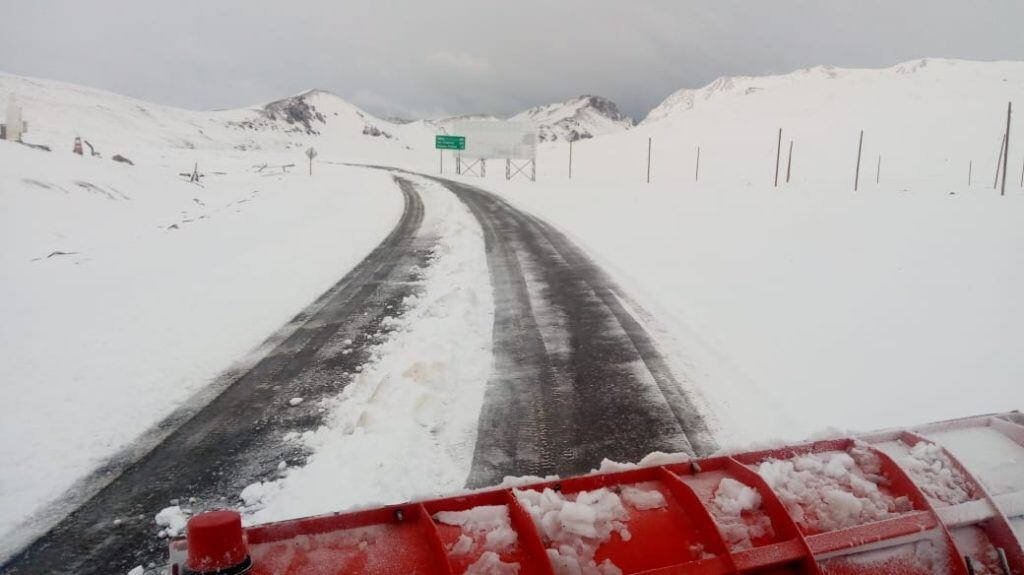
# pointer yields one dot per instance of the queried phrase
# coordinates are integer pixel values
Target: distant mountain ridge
(688, 99)
(580, 118)
(576, 119)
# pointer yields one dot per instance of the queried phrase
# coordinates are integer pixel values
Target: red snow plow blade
(941, 498)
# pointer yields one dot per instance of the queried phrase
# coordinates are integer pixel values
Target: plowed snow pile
(736, 509)
(833, 490)
(931, 469)
(487, 527)
(575, 526)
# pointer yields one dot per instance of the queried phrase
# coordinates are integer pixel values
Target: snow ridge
(576, 119)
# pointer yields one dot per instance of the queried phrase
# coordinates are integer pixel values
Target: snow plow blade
(940, 498)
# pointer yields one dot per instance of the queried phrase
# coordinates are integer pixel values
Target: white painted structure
(14, 127)
(497, 139)
(514, 142)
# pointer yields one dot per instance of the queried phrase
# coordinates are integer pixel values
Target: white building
(14, 127)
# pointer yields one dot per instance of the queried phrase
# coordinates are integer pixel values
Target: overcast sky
(418, 58)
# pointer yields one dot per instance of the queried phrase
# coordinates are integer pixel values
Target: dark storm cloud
(419, 58)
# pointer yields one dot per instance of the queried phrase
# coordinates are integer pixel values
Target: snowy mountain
(820, 82)
(58, 112)
(576, 119)
(927, 124)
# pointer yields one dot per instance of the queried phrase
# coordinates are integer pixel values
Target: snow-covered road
(577, 377)
(402, 381)
(236, 438)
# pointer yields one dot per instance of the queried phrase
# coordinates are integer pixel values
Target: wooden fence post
(789, 161)
(999, 161)
(778, 153)
(860, 147)
(1006, 148)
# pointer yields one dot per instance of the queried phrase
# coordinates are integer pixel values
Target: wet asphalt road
(236, 439)
(577, 379)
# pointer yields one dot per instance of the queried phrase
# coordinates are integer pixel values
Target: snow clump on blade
(833, 490)
(933, 471)
(490, 564)
(732, 500)
(574, 526)
(643, 496)
(488, 522)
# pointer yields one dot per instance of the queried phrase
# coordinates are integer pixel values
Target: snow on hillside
(58, 112)
(125, 289)
(796, 312)
(810, 306)
(576, 119)
(927, 123)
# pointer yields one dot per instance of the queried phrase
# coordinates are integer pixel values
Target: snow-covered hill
(896, 302)
(916, 76)
(576, 119)
(125, 288)
(927, 123)
(58, 112)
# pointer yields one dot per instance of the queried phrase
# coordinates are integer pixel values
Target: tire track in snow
(211, 454)
(577, 377)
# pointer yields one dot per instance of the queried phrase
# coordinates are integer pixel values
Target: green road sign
(450, 142)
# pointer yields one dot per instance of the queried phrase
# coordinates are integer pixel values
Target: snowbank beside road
(125, 290)
(799, 310)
